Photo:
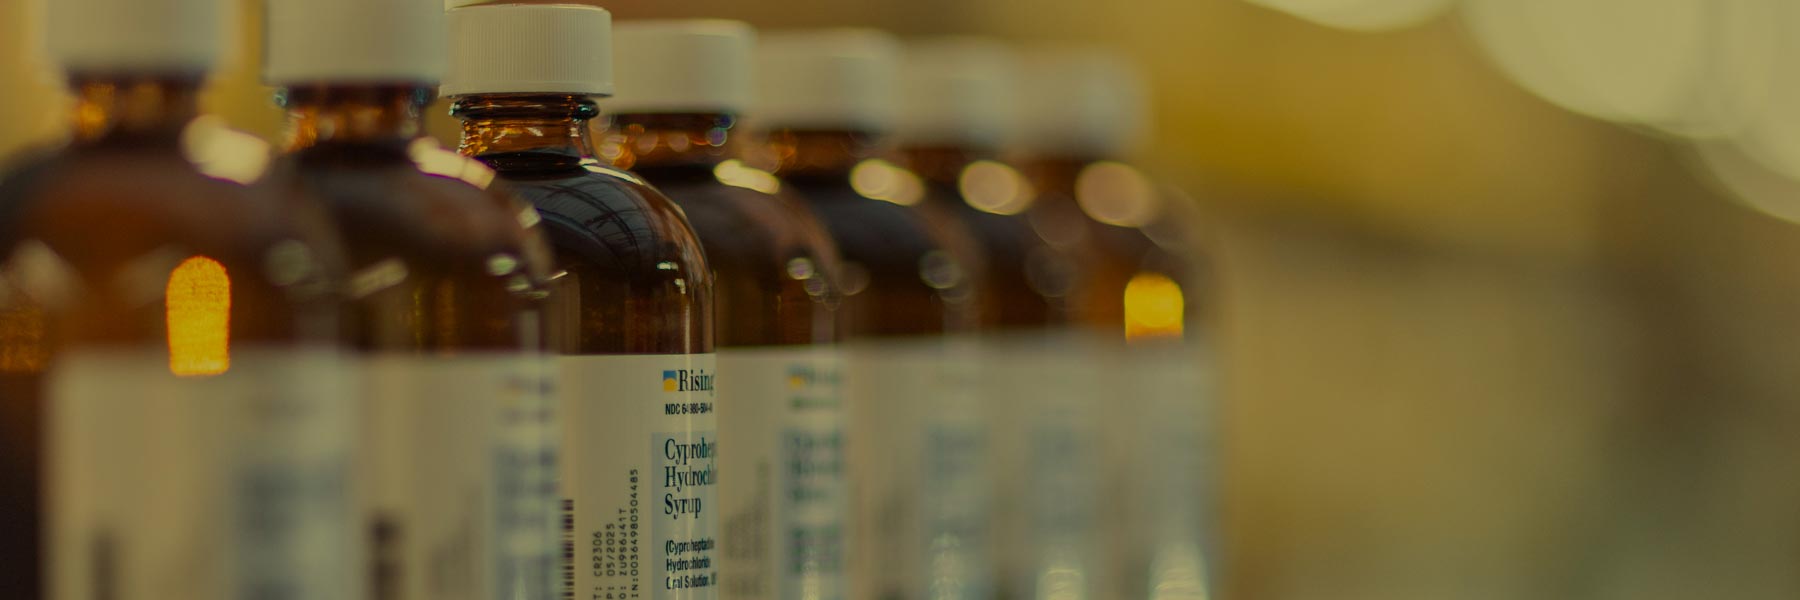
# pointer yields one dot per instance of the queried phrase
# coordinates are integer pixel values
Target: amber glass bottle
(630, 306)
(674, 123)
(1081, 109)
(1172, 547)
(24, 355)
(1111, 251)
(919, 508)
(1038, 381)
(184, 325)
(1078, 109)
(445, 286)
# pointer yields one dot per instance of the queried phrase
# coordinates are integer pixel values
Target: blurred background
(1506, 288)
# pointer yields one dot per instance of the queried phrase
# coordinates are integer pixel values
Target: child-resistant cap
(154, 36)
(355, 41)
(828, 79)
(1079, 101)
(956, 91)
(682, 66)
(529, 48)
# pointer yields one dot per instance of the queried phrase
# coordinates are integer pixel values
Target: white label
(233, 485)
(640, 470)
(1165, 548)
(461, 472)
(920, 490)
(1044, 392)
(784, 499)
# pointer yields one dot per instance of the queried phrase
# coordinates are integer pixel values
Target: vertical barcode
(568, 549)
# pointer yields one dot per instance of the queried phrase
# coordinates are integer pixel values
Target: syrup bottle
(1081, 110)
(1040, 383)
(199, 421)
(460, 470)
(675, 122)
(917, 440)
(630, 305)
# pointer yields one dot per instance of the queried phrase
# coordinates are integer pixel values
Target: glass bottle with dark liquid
(1168, 321)
(674, 123)
(630, 306)
(1039, 383)
(1083, 108)
(445, 287)
(184, 326)
(916, 445)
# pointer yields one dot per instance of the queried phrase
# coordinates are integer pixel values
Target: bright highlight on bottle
(219, 151)
(1154, 307)
(436, 160)
(198, 306)
(994, 187)
(883, 180)
(1116, 194)
(1363, 15)
(735, 173)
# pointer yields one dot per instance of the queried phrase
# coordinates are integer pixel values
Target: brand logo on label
(803, 376)
(687, 380)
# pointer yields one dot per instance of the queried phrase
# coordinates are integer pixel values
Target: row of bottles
(376, 368)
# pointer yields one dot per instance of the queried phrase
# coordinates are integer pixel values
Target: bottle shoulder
(101, 206)
(750, 230)
(610, 220)
(386, 207)
(110, 232)
(866, 230)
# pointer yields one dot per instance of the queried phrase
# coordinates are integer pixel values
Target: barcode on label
(568, 549)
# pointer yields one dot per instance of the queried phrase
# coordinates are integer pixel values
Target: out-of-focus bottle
(674, 122)
(1080, 110)
(1040, 382)
(916, 437)
(1173, 552)
(199, 421)
(630, 307)
(458, 449)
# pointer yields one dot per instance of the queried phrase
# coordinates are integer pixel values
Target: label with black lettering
(228, 477)
(1043, 391)
(785, 504)
(917, 436)
(460, 472)
(640, 472)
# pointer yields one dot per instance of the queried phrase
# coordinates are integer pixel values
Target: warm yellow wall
(30, 108)
(33, 112)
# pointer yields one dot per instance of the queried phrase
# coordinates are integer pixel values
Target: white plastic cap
(355, 41)
(158, 36)
(956, 91)
(1080, 101)
(529, 48)
(827, 79)
(682, 66)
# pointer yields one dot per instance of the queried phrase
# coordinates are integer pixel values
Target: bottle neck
(532, 123)
(354, 114)
(801, 153)
(662, 141)
(943, 164)
(146, 108)
(1054, 177)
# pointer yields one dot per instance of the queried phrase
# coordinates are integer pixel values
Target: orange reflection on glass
(1154, 307)
(198, 304)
